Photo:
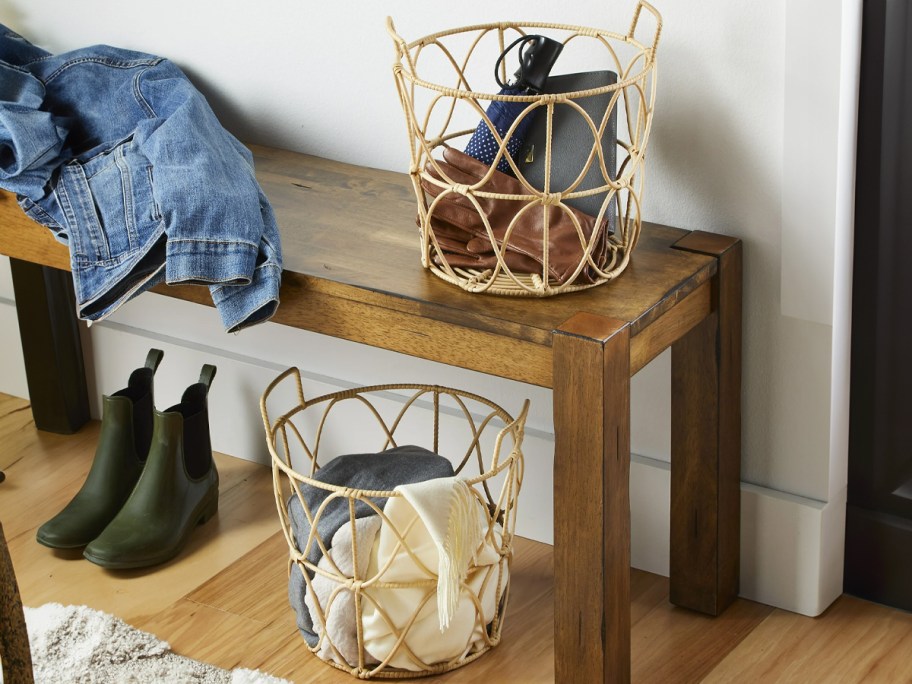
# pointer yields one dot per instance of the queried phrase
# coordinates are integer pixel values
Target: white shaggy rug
(80, 644)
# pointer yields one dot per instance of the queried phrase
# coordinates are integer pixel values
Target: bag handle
(522, 39)
(539, 62)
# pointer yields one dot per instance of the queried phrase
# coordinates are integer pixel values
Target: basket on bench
(435, 76)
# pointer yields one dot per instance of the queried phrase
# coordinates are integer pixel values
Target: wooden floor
(223, 600)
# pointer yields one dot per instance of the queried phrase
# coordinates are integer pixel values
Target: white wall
(753, 136)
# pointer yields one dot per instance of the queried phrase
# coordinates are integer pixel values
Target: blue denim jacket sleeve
(204, 188)
(30, 139)
(218, 230)
(242, 306)
(16, 50)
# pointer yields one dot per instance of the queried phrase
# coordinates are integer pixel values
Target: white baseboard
(791, 547)
(12, 377)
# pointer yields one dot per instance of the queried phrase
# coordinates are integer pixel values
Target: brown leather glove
(454, 244)
(462, 236)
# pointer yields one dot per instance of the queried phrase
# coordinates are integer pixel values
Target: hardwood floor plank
(294, 662)
(678, 646)
(853, 641)
(215, 636)
(14, 416)
(255, 586)
(647, 591)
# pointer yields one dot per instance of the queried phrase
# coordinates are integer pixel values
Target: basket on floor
(435, 76)
(367, 596)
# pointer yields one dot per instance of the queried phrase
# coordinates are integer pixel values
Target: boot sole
(55, 545)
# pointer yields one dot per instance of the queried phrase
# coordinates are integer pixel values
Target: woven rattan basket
(483, 444)
(434, 77)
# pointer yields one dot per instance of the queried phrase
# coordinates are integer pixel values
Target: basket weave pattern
(294, 439)
(432, 110)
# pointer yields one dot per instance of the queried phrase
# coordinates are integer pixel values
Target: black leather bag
(572, 142)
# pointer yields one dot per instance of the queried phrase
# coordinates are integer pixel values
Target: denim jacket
(121, 157)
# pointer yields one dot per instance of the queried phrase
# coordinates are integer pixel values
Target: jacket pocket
(109, 206)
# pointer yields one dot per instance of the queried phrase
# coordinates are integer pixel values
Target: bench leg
(706, 442)
(49, 330)
(592, 501)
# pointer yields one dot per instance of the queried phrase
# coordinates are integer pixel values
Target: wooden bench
(352, 271)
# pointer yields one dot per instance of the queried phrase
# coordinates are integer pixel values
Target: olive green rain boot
(177, 490)
(126, 432)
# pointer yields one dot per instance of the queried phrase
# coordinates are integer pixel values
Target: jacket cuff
(209, 262)
(241, 306)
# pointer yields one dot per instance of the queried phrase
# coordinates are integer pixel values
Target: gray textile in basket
(383, 472)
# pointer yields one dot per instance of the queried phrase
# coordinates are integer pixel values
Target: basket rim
(589, 31)
(513, 427)
(403, 49)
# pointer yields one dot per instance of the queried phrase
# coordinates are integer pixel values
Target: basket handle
(641, 5)
(401, 49)
(520, 421)
(296, 372)
(398, 41)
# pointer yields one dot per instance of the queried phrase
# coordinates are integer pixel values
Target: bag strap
(525, 40)
(539, 62)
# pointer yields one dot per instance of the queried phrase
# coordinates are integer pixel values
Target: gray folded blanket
(382, 472)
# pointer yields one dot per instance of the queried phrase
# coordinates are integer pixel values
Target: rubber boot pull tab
(207, 375)
(153, 359)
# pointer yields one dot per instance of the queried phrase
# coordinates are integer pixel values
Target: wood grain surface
(592, 499)
(350, 232)
(706, 442)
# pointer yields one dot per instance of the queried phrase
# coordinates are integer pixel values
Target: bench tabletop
(351, 247)
(351, 231)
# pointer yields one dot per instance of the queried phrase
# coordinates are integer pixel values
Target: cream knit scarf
(449, 511)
